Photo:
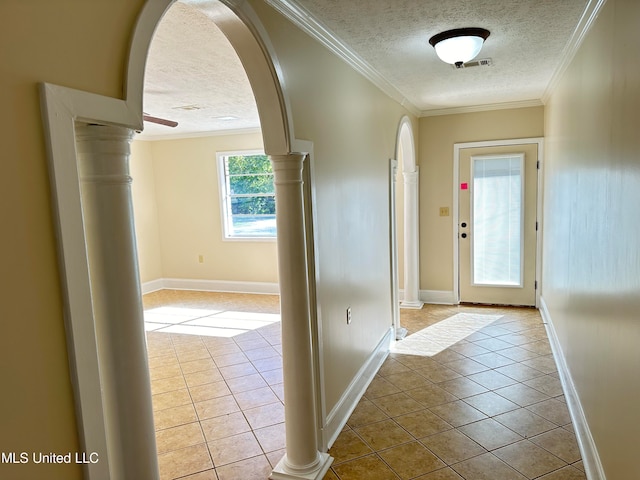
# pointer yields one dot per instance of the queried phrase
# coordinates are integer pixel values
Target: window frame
(223, 195)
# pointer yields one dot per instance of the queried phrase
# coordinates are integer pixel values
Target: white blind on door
(497, 220)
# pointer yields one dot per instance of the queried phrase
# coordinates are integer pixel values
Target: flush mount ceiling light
(460, 45)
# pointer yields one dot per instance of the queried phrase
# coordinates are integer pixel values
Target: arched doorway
(103, 311)
(406, 155)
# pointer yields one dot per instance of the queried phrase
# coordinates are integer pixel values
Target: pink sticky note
(464, 186)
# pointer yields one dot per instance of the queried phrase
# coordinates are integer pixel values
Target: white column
(302, 459)
(103, 155)
(411, 242)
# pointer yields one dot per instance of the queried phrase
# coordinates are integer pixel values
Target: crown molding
(214, 133)
(591, 11)
(481, 108)
(303, 19)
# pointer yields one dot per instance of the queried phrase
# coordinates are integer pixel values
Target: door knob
(464, 235)
(464, 225)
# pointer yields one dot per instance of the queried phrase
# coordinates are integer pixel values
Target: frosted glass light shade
(460, 45)
(459, 49)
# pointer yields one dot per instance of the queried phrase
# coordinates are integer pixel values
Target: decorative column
(302, 459)
(411, 239)
(103, 156)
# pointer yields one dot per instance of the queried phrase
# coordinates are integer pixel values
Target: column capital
(287, 169)
(103, 154)
(94, 131)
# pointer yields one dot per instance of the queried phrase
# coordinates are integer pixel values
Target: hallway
(484, 403)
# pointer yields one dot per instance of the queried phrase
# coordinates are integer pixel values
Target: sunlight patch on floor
(210, 323)
(437, 337)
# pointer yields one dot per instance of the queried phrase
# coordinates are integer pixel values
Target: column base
(401, 332)
(282, 472)
(417, 305)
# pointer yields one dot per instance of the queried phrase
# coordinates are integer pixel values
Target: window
(248, 195)
(498, 201)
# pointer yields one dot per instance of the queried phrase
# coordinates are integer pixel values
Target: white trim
(588, 449)
(311, 220)
(456, 220)
(282, 471)
(393, 245)
(539, 213)
(61, 108)
(304, 20)
(230, 286)
(339, 415)
(481, 108)
(152, 286)
(589, 15)
(440, 297)
(433, 297)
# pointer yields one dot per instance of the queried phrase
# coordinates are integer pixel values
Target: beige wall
(437, 137)
(80, 45)
(353, 126)
(591, 279)
(185, 179)
(145, 210)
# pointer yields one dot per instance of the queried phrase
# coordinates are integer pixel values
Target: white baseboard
(339, 415)
(152, 286)
(210, 286)
(590, 457)
(444, 297)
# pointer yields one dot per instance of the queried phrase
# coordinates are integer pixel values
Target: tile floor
(472, 393)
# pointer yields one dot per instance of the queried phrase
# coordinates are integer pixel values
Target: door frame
(457, 147)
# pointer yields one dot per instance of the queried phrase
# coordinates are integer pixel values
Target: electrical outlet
(444, 211)
(348, 315)
(200, 258)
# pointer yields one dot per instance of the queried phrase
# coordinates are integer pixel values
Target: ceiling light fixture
(460, 45)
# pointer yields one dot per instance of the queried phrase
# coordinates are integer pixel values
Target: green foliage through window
(250, 205)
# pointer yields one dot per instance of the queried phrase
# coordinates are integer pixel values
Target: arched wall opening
(103, 311)
(183, 218)
(408, 217)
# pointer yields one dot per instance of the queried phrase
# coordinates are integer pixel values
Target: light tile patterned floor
(216, 378)
(472, 393)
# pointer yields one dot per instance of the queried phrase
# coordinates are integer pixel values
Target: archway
(406, 155)
(111, 388)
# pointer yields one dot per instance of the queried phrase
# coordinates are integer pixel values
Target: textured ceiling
(191, 62)
(526, 42)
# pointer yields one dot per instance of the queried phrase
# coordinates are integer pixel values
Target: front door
(497, 224)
